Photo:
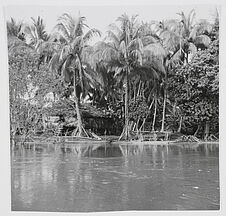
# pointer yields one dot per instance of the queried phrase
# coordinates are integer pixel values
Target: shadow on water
(201, 149)
(117, 150)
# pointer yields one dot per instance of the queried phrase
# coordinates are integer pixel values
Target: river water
(113, 178)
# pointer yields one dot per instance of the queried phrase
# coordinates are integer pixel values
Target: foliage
(138, 109)
(27, 93)
(195, 87)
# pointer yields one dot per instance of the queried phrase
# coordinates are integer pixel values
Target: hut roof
(67, 107)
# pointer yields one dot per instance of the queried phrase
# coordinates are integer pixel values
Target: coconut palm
(35, 34)
(121, 51)
(181, 39)
(14, 28)
(184, 36)
(128, 50)
(73, 36)
(14, 34)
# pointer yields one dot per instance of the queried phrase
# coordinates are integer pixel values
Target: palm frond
(87, 54)
(93, 77)
(114, 28)
(69, 22)
(135, 44)
(155, 50)
(170, 25)
(80, 26)
(91, 33)
(65, 51)
(191, 18)
(105, 51)
(40, 28)
(123, 49)
(137, 54)
(54, 62)
(111, 36)
(63, 31)
(171, 40)
(49, 47)
(77, 44)
(13, 28)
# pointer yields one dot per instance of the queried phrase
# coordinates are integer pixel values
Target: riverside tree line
(155, 75)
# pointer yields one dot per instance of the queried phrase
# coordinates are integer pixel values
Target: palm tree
(158, 56)
(14, 34)
(35, 34)
(69, 58)
(121, 51)
(14, 28)
(130, 50)
(183, 37)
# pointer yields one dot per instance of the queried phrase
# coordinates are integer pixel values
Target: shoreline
(106, 142)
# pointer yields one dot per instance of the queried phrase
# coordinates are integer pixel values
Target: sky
(99, 16)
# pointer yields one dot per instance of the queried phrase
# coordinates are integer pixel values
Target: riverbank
(71, 142)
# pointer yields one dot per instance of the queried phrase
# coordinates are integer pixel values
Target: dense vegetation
(142, 76)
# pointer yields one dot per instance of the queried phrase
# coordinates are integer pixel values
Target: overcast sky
(101, 16)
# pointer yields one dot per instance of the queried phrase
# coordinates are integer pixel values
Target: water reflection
(104, 177)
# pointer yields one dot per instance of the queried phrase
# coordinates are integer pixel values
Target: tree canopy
(149, 76)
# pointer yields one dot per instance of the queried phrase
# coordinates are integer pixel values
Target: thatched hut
(98, 120)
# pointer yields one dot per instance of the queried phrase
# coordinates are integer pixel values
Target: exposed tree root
(81, 132)
(125, 135)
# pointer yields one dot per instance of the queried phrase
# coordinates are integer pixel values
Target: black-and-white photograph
(113, 107)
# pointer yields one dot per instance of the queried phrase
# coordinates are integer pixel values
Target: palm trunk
(79, 119)
(138, 92)
(153, 123)
(137, 124)
(163, 112)
(126, 108)
(125, 132)
(44, 122)
(196, 132)
(142, 91)
(207, 130)
(134, 92)
(180, 125)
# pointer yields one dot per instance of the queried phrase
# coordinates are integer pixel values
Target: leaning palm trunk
(163, 112)
(196, 132)
(125, 133)
(153, 123)
(79, 128)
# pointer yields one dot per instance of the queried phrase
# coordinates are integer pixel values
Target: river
(114, 178)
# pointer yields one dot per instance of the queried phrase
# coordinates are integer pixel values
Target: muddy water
(105, 178)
